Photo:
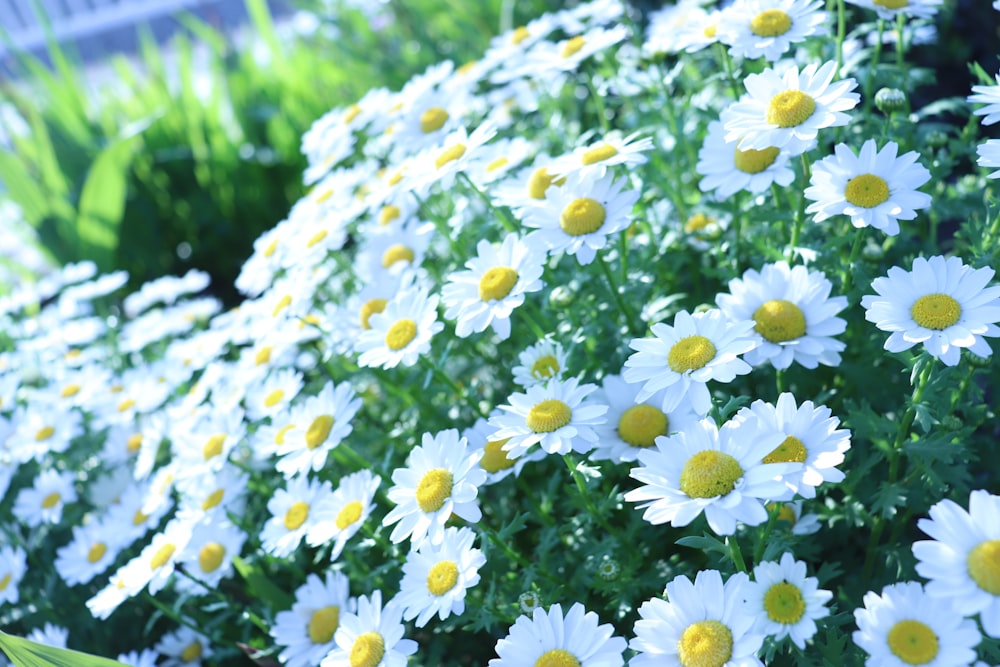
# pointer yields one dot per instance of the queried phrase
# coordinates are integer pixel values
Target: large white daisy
(768, 28)
(371, 637)
(727, 169)
(435, 578)
(549, 638)
(401, 332)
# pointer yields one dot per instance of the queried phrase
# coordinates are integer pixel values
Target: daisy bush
(653, 339)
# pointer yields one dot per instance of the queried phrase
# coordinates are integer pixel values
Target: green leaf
(26, 653)
(22, 188)
(704, 543)
(261, 585)
(102, 203)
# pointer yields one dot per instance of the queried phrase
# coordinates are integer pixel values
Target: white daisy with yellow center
(540, 362)
(551, 639)
(441, 478)
(185, 647)
(435, 578)
(686, 26)
(393, 249)
(906, 626)
(786, 110)
(942, 303)
(273, 395)
(322, 423)
(498, 159)
(440, 164)
(962, 558)
(41, 429)
(874, 188)
(556, 416)
(43, 502)
(888, 10)
(497, 463)
(727, 169)
(342, 515)
(703, 623)
(209, 555)
(13, 565)
(293, 514)
(154, 566)
(401, 332)
(609, 150)
(785, 601)
(371, 637)
(305, 632)
(716, 471)
(217, 493)
(768, 28)
(529, 187)
(93, 549)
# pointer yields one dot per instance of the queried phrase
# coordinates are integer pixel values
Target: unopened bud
(890, 100)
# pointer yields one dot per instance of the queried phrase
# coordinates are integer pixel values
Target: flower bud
(890, 100)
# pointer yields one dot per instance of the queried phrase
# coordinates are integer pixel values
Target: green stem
(623, 306)
(847, 272)
(800, 212)
(873, 67)
(460, 391)
(586, 496)
(772, 517)
(841, 34)
(505, 220)
(779, 381)
(728, 66)
(737, 212)
(602, 112)
(736, 554)
(900, 44)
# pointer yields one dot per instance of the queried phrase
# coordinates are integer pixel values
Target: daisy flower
(578, 217)
(785, 601)
(791, 513)
(727, 169)
(43, 502)
(990, 96)
(50, 635)
(793, 313)
(435, 578)
(305, 632)
(875, 188)
(497, 159)
(494, 284)
(342, 514)
(610, 150)
(401, 332)
(442, 477)
(497, 463)
(787, 110)
(154, 566)
(41, 430)
(555, 415)
(442, 163)
(13, 565)
(989, 156)
(273, 395)
(888, 10)
(146, 658)
(391, 251)
(292, 514)
(184, 648)
(529, 187)
(962, 560)
(541, 362)
(768, 28)
(701, 623)
(321, 423)
(372, 637)
(91, 551)
(686, 26)
(941, 303)
(550, 638)
(716, 471)
(682, 358)
(904, 626)
(209, 554)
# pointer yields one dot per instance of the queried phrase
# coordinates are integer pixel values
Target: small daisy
(494, 284)
(989, 156)
(92, 551)
(768, 28)
(550, 638)
(962, 560)
(146, 658)
(539, 363)
(791, 514)
(990, 96)
(610, 150)
(529, 187)
(786, 601)
(684, 357)
(292, 514)
(305, 632)
(401, 332)
(372, 637)
(787, 110)
(904, 626)
(727, 169)
(441, 478)
(578, 217)
(555, 415)
(716, 471)
(875, 188)
(686, 26)
(44, 501)
(50, 635)
(435, 578)
(13, 565)
(888, 10)
(455, 154)
(274, 394)
(184, 648)
(321, 423)
(941, 303)
(209, 554)
(341, 515)
(793, 314)
(701, 623)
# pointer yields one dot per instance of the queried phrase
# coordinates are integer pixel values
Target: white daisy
(292, 514)
(342, 514)
(146, 658)
(716, 471)
(791, 513)
(435, 578)
(875, 188)
(941, 303)
(701, 623)
(686, 26)
(305, 632)
(610, 150)
(184, 647)
(904, 626)
(682, 358)
(768, 28)
(321, 423)
(787, 110)
(727, 169)
(785, 601)
(989, 156)
(793, 313)
(209, 554)
(442, 477)
(441, 164)
(91, 551)
(541, 362)
(550, 638)
(401, 332)
(155, 565)
(494, 284)
(499, 158)
(555, 415)
(372, 637)
(13, 565)
(43, 502)
(529, 187)
(990, 96)
(962, 560)
(497, 463)
(274, 394)
(888, 10)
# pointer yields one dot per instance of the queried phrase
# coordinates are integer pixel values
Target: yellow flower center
(442, 577)
(283, 303)
(495, 458)
(397, 253)
(434, 489)
(983, 563)
(790, 108)
(690, 353)
(582, 216)
(433, 120)
(213, 447)
(133, 443)
(213, 499)
(752, 161)
(698, 222)
(352, 113)
(599, 153)
(279, 437)
(705, 644)
(96, 552)
(519, 35)
(548, 416)
(370, 307)
(271, 248)
(866, 191)
(785, 512)
(710, 473)
(5, 581)
(274, 398)
(557, 657)
(791, 450)
(70, 390)
(162, 556)
(44, 433)
(318, 431)
(388, 213)
(640, 425)
(263, 356)
(710, 31)
(540, 181)
(892, 4)
(368, 650)
(191, 652)
(296, 515)
(778, 321)
(316, 238)
(572, 46)
(210, 556)
(323, 624)
(400, 334)
(51, 500)
(771, 23)
(545, 367)
(139, 518)
(396, 178)
(913, 642)
(784, 604)
(497, 164)
(936, 311)
(449, 154)
(349, 515)
(497, 283)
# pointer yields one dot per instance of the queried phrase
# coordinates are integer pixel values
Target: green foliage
(26, 653)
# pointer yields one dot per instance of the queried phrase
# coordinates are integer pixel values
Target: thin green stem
(602, 112)
(505, 220)
(586, 496)
(847, 271)
(736, 554)
(779, 381)
(623, 306)
(873, 67)
(800, 212)
(841, 34)
(772, 517)
(901, 44)
(727, 64)
(737, 213)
